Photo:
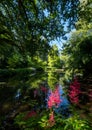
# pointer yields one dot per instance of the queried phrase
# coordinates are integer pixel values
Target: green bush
(41, 123)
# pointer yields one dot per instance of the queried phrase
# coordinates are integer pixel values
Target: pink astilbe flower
(51, 120)
(54, 99)
(74, 92)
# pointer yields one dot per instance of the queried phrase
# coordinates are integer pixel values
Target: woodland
(53, 39)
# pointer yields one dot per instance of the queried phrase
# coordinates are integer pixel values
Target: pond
(28, 101)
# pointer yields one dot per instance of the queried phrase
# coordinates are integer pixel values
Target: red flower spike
(74, 92)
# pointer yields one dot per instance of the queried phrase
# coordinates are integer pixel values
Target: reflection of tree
(52, 79)
(6, 98)
(35, 80)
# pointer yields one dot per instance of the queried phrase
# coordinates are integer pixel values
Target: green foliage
(85, 13)
(26, 124)
(75, 123)
(15, 60)
(44, 121)
(77, 52)
(41, 122)
(27, 27)
(71, 123)
(53, 58)
(52, 79)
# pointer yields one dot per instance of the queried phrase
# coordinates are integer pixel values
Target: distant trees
(54, 58)
(77, 52)
(27, 27)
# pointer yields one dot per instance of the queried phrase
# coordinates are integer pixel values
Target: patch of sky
(64, 38)
(15, 2)
(46, 13)
(67, 33)
(3, 10)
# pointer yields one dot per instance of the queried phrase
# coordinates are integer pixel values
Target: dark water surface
(21, 93)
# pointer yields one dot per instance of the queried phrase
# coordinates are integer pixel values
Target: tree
(33, 24)
(77, 52)
(53, 58)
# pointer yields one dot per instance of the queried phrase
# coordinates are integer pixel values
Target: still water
(21, 93)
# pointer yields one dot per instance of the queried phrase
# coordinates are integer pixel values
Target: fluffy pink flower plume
(74, 92)
(54, 99)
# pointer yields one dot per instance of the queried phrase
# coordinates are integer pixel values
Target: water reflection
(27, 88)
(30, 92)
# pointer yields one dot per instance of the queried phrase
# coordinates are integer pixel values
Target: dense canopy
(46, 64)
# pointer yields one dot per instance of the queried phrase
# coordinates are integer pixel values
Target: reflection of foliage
(35, 80)
(52, 79)
(6, 101)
